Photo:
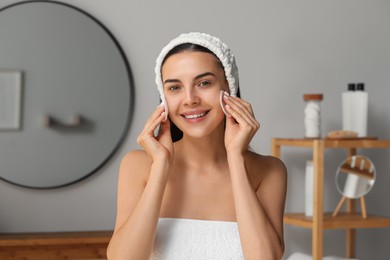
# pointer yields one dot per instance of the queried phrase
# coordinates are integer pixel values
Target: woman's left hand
(241, 125)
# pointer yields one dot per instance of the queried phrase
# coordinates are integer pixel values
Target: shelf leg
(363, 207)
(275, 149)
(351, 152)
(350, 241)
(317, 232)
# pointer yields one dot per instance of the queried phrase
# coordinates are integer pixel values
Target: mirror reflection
(355, 176)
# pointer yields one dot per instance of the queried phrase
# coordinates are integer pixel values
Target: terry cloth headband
(214, 44)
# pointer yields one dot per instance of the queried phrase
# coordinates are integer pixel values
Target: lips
(194, 115)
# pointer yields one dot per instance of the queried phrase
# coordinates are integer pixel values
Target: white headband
(220, 49)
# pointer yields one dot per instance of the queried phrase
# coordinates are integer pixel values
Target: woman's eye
(204, 83)
(173, 88)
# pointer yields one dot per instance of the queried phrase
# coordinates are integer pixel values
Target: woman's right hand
(159, 147)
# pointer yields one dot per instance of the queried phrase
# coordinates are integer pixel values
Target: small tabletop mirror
(355, 176)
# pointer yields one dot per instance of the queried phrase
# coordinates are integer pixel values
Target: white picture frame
(10, 99)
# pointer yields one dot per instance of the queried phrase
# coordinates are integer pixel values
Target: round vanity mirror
(65, 94)
(355, 176)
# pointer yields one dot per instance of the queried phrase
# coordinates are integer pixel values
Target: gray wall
(283, 50)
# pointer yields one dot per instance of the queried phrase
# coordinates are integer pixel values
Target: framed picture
(10, 99)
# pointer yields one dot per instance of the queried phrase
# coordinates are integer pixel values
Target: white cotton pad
(164, 103)
(223, 103)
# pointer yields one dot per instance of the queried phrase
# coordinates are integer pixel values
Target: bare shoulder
(133, 176)
(137, 155)
(265, 167)
(135, 164)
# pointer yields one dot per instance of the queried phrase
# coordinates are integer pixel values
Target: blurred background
(283, 50)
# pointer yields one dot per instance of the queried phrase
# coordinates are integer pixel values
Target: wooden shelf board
(363, 143)
(294, 142)
(341, 221)
(333, 143)
(55, 238)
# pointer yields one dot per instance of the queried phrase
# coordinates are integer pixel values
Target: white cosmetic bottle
(355, 109)
(360, 110)
(347, 107)
(309, 189)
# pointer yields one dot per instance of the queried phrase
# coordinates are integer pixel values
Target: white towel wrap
(178, 239)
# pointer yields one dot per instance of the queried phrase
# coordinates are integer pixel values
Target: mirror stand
(362, 206)
(354, 179)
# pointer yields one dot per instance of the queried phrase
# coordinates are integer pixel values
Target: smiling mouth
(195, 116)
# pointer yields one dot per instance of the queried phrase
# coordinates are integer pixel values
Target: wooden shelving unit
(350, 220)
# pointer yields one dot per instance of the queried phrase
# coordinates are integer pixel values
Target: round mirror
(65, 94)
(355, 176)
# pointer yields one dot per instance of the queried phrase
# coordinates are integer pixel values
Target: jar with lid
(312, 112)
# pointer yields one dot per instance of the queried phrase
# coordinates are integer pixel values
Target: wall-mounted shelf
(320, 220)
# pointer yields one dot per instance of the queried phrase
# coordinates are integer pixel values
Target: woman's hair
(176, 133)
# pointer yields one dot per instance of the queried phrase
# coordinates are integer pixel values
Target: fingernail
(227, 113)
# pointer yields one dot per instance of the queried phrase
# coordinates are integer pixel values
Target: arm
(259, 211)
(141, 184)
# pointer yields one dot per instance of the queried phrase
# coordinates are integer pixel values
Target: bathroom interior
(77, 78)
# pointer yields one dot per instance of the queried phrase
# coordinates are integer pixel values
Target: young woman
(196, 191)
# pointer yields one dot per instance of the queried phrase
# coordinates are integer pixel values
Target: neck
(203, 151)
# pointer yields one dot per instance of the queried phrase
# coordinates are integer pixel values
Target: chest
(199, 197)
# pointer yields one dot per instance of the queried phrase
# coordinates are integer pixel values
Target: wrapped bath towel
(178, 239)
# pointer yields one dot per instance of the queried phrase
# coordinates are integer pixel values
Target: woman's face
(192, 85)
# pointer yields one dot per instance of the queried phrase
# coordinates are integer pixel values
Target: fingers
(157, 117)
(222, 103)
(165, 131)
(241, 111)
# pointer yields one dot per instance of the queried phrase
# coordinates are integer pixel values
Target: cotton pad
(223, 103)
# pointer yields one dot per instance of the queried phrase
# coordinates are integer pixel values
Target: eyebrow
(204, 75)
(197, 77)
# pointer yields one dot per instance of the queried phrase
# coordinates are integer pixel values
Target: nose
(191, 97)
